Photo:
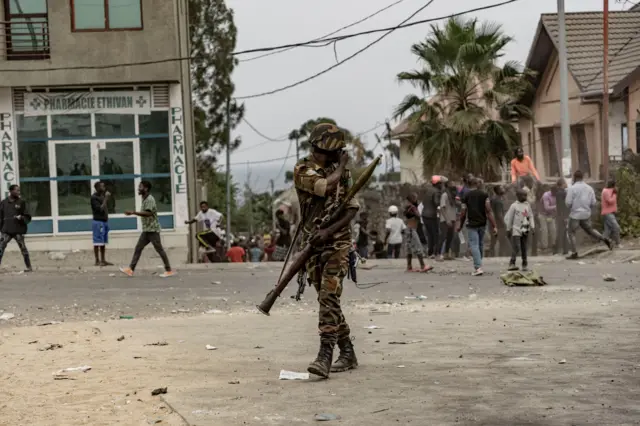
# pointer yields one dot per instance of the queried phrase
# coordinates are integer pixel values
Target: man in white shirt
(393, 239)
(210, 220)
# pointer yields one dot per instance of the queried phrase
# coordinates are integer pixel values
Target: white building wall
(410, 165)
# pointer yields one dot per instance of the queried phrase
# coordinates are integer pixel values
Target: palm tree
(463, 119)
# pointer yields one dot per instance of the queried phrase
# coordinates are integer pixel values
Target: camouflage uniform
(328, 265)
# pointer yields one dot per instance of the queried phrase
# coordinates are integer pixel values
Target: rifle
(301, 258)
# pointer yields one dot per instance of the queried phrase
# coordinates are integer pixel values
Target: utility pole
(249, 198)
(605, 92)
(297, 149)
(565, 119)
(228, 138)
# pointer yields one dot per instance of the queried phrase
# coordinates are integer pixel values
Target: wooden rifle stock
(299, 261)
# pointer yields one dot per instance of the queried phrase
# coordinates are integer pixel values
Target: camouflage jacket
(311, 183)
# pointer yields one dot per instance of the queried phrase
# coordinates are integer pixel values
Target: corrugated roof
(585, 45)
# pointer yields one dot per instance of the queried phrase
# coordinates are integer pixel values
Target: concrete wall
(410, 165)
(158, 40)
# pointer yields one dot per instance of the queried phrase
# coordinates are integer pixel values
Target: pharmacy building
(91, 94)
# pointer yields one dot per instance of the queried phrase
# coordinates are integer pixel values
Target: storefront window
(38, 197)
(29, 128)
(73, 162)
(116, 162)
(155, 123)
(155, 155)
(33, 158)
(73, 125)
(161, 191)
(115, 125)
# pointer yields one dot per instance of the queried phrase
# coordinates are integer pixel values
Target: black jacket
(430, 203)
(9, 209)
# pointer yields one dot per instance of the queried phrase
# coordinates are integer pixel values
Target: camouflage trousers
(326, 270)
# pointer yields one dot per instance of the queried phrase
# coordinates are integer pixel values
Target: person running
(14, 218)
(394, 227)
(476, 208)
(150, 231)
(210, 235)
(100, 223)
(581, 199)
(518, 222)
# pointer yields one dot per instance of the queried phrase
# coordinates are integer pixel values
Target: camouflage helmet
(327, 137)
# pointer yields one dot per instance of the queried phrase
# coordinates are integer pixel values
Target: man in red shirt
(236, 254)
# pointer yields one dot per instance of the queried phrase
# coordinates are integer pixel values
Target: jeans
(611, 228)
(547, 233)
(476, 242)
(363, 252)
(519, 246)
(585, 224)
(143, 241)
(562, 243)
(432, 226)
(393, 250)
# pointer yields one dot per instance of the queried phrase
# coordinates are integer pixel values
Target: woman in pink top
(609, 203)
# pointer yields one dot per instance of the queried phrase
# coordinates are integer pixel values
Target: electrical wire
(326, 70)
(366, 18)
(403, 25)
(284, 163)
(271, 160)
(258, 132)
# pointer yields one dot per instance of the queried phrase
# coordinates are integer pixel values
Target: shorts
(100, 233)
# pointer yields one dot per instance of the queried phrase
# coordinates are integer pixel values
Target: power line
(280, 139)
(271, 92)
(284, 163)
(327, 35)
(403, 25)
(271, 160)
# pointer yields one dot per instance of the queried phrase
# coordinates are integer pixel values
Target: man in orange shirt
(236, 253)
(522, 166)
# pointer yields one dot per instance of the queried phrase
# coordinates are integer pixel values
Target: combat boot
(347, 359)
(322, 365)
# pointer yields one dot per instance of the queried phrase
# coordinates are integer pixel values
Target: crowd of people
(449, 217)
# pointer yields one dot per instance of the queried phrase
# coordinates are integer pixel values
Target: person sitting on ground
(522, 166)
(518, 222)
(236, 254)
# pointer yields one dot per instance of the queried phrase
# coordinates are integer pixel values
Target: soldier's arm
(309, 180)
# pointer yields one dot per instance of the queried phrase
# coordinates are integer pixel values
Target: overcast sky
(358, 94)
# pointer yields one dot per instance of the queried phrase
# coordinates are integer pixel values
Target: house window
(106, 15)
(26, 29)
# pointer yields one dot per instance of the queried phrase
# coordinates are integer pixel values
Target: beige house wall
(410, 165)
(546, 114)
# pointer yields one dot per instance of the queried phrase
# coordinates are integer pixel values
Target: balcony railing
(24, 39)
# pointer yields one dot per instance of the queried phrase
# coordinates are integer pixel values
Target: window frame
(45, 53)
(106, 21)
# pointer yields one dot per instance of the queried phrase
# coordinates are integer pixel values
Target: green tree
(463, 119)
(213, 40)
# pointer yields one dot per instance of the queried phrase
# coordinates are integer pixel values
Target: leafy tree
(463, 119)
(213, 40)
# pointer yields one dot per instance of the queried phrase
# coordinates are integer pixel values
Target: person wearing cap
(394, 227)
(322, 180)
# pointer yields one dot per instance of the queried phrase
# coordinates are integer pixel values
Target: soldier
(322, 180)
